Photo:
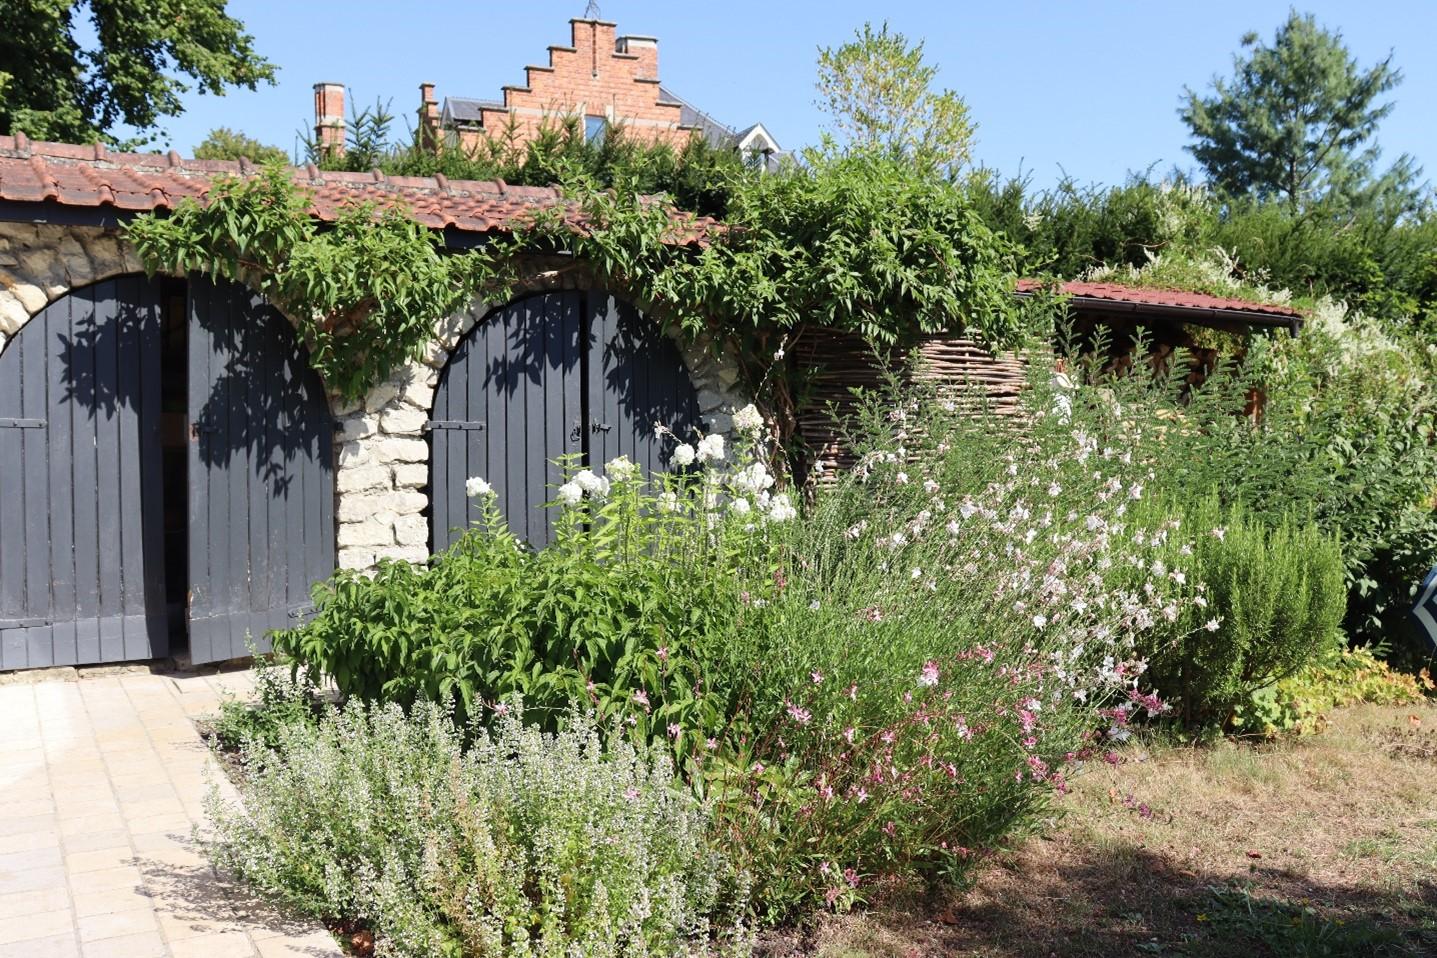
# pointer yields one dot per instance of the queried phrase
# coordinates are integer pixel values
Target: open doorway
(174, 459)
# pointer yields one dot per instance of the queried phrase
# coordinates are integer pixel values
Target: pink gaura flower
(816, 676)
(800, 715)
(929, 676)
(675, 730)
(890, 829)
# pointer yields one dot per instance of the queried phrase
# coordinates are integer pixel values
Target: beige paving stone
(30, 823)
(108, 878)
(89, 824)
(48, 857)
(178, 820)
(146, 944)
(87, 804)
(234, 944)
(34, 879)
(57, 946)
(189, 923)
(318, 944)
(94, 841)
(152, 807)
(116, 762)
(116, 923)
(28, 808)
(20, 904)
(45, 924)
(24, 841)
(100, 859)
(105, 901)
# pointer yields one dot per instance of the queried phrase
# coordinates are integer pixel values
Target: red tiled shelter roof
(1096, 294)
(92, 176)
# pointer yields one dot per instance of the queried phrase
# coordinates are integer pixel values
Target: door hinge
(434, 424)
(22, 423)
(23, 623)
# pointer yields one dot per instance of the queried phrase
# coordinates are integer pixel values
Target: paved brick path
(101, 780)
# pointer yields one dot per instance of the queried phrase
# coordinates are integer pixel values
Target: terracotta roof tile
(90, 176)
(1147, 296)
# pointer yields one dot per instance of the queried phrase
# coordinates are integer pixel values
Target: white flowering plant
(961, 622)
(643, 573)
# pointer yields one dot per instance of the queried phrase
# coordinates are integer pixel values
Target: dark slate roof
(460, 109)
(716, 133)
(90, 176)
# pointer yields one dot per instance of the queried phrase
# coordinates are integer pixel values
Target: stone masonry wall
(382, 452)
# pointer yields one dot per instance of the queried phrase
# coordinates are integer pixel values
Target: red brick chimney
(428, 118)
(643, 49)
(329, 119)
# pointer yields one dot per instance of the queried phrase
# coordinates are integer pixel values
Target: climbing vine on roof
(860, 242)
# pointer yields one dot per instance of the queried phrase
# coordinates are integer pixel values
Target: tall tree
(1297, 121)
(131, 76)
(222, 143)
(880, 94)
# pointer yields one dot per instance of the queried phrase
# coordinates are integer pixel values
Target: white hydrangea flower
(621, 469)
(592, 484)
(570, 493)
(476, 486)
(752, 479)
(740, 507)
(711, 448)
(683, 455)
(669, 501)
(780, 509)
(748, 419)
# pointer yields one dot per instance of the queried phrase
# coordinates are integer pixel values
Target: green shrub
(614, 616)
(1274, 599)
(279, 701)
(1302, 702)
(520, 843)
(878, 691)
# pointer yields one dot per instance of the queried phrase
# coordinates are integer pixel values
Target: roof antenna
(591, 12)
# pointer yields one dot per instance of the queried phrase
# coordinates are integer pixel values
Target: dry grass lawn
(1324, 845)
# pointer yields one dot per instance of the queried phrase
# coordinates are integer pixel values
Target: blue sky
(1090, 88)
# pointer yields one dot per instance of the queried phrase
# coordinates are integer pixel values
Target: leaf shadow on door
(262, 404)
(645, 382)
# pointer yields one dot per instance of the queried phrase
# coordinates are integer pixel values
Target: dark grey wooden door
(636, 379)
(549, 375)
(81, 571)
(509, 402)
(260, 470)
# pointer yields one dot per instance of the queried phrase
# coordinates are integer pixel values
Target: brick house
(605, 79)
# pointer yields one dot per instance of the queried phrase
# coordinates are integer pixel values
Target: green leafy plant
(282, 698)
(364, 293)
(1302, 702)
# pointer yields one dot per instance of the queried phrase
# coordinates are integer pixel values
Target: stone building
(175, 475)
